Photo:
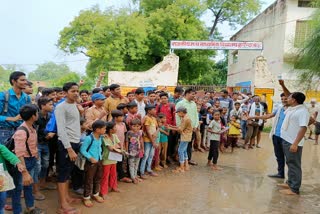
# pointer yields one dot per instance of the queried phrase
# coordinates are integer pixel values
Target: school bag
(10, 144)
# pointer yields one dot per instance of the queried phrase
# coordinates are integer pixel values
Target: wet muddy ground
(241, 187)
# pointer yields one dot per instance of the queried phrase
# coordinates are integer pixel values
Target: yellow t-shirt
(152, 124)
(234, 128)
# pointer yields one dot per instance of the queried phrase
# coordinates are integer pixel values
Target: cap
(181, 109)
(98, 96)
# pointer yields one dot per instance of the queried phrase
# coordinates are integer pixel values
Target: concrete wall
(273, 40)
(164, 73)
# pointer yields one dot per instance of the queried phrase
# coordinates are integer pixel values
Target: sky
(30, 30)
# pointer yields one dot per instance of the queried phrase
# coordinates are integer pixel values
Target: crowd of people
(96, 139)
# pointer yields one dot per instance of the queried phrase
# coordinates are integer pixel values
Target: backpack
(6, 101)
(9, 143)
(171, 108)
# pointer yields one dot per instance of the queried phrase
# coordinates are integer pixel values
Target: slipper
(88, 203)
(39, 197)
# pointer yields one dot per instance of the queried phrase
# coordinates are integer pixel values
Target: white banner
(215, 45)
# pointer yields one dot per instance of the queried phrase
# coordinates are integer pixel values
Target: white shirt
(298, 119)
(141, 108)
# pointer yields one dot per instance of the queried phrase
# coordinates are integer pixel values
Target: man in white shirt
(140, 101)
(293, 130)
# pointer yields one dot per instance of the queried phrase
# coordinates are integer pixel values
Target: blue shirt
(95, 150)
(52, 123)
(280, 121)
(14, 105)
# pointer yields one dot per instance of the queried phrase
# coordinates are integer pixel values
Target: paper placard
(115, 156)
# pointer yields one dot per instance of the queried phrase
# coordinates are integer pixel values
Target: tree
(4, 78)
(308, 57)
(235, 12)
(136, 41)
(69, 77)
(49, 72)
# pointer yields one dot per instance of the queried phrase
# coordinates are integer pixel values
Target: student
(150, 135)
(114, 100)
(139, 99)
(60, 93)
(164, 134)
(27, 152)
(215, 132)
(50, 93)
(206, 137)
(132, 113)
(106, 91)
(45, 105)
(109, 176)
(233, 132)
(123, 107)
(130, 96)
(185, 129)
(69, 133)
(97, 111)
(134, 144)
(177, 95)
(28, 89)
(236, 111)
(121, 131)
(152, 98)
(91, 149)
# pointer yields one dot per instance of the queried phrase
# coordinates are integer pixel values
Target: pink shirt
(121, 130)
(20, 137)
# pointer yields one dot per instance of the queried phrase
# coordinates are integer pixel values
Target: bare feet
(216, 168)
(178, 170)
(287, 192)
(284, 185)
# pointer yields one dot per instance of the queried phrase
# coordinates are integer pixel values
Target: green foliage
(235, 12)
(308, 57)
(136, 41)
(48, 72)
(69, 77)
(4, 78)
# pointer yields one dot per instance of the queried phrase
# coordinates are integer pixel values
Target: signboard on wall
(215, 45)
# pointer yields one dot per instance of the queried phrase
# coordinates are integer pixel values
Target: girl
(215, 130)
(234, 132)
(164, 133)
(111, 144)
(134, 146)
(91, 150)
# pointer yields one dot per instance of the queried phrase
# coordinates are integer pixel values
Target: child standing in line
(132, 113)
(215, 132)
(111, 144)
(121, 131)
(91, 149)
(134, 146)
(150, 136)
(234, 132)
(164, 133)
(185, 129)
(206, 140)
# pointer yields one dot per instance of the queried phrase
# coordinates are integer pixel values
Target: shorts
(64, 164)
(317, 128)
(261, 127)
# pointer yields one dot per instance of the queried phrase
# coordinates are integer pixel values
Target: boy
(59, 92)
(114, 100)
(236, 111)
(46, 106)
(140, 102)
(150, 135)
(130, 96)
(27, 152)
(49, 92)
(132, 113)
(69, 133)
(97, 111)
(152, 98)
(91, 149)
(121, 130)
(185, 129)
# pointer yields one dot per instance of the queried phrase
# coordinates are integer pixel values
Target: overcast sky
(30, 29)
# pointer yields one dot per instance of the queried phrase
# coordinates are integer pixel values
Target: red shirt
(169, 110)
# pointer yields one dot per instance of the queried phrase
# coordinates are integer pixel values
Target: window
(303, 30)
(235, 56)
(304, 3)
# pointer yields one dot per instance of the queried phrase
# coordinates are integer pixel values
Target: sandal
(88, 203)
(36, 210)
(98, 199)
(39, 197)
(8, 207)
